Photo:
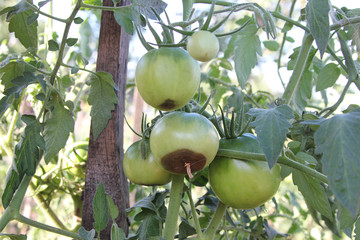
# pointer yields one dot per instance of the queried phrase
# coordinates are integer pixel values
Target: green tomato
(143, 171)
(181, 139)
(203, 45)
(243, 184)
(167, 78)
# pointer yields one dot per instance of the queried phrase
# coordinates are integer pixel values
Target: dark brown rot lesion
(168, 104)
(178, 161)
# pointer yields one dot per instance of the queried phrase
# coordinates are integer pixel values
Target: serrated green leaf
(13, 236)
(125, 16)
(150, 228)
(93, 2)
(113, 209)
(117, 233)
(53, 45)
(102, 99)
(12, 183)
(271, 45)
(248, 46)
(337, 139)
(20, 83)
(58, 125)
(86, 235)
(11, 71)
(271, 127)
(101, 211)
(327, 76)
(32, 18)
(71, 41)
(317, 17)
(27, 151)
(225, 63)
(313, 193)
(27, 34)
(145, 7)
(185, 229)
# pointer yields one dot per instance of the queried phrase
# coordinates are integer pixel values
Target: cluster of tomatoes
(181, 142)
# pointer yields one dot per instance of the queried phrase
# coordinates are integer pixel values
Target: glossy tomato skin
(167, 78)
(179, 138)
(143, 171)
(203, 45)
(243, 184)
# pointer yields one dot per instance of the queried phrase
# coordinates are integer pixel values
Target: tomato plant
(203, 45)
(140, 167)
(243, 184)
(299, 99)
(181, 139)
(167, 78)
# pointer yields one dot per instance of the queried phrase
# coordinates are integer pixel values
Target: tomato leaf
(337, 139)
(185, 229)
(149, 228)
(102, 99)
(346, 220)
(314, 194)
(27, 151)
(327, 76)
(117, 233)
(86, 235)
(27, 34)
(113, 209)
(271, 126)
(248, 46)
(272, 45)
(145, 7)
(58, 125)
(357, 229)
(12, 183)
(100, 206)
(126, 17)
(317, 16)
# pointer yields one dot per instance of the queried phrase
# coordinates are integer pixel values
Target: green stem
(47, 209)
(299, 68)
(105, 8)
(9, 136)
(282, 160)
(45, 227)
(215, 221)
(332, 109)
(174, 205)
(15, 204)
(193, 211)
(63, 41)
(35, 9)
(289, 20)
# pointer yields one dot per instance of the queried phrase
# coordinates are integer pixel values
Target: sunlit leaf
(27, 34)
(102, 99)
(248, 47)
(58, 125)
(101, 211)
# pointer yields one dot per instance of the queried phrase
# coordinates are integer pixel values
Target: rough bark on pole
(105, 154)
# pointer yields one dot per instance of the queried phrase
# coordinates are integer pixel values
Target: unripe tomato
(181, 138)
(143, 171)
(167, 78)
(243, 184)
(203, 45)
